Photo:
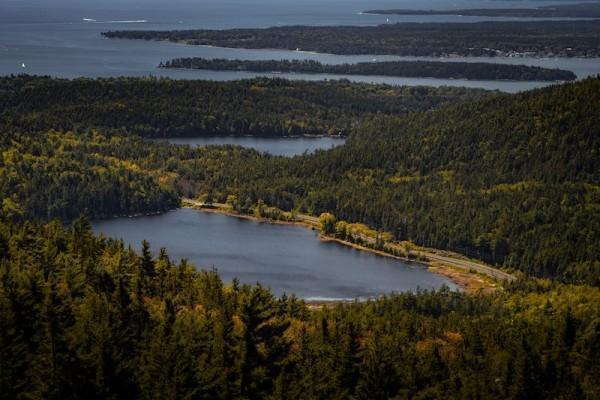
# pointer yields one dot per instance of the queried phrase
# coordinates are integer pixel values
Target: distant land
(508, 39)
(580, 10)
(429, 69)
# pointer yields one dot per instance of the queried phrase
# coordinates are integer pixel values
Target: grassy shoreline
(467, 280)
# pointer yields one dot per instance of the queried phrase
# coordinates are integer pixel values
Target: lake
(57, 41)
(286, 258)
(279, 146)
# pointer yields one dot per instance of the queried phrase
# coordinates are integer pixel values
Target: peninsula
(411, 69)
(507, 39)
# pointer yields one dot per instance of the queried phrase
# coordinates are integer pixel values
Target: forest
(430, 69)
(536, 38)
(580, 10)
(509, 179)
(153, 107)
(84, 317)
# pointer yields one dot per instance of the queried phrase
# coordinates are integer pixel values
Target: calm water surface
(287, 146)
(286, 258)
(55, 40)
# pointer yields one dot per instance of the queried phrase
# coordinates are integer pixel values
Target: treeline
(161, 107)
(86, 317)
(582, 10)
(536, 38)
(430, 69)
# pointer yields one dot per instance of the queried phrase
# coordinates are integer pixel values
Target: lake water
(54, 40)
(287, 146)
(286, 258)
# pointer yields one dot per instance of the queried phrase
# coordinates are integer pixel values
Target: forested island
(581, 10)
(429, 69)
(536, 38)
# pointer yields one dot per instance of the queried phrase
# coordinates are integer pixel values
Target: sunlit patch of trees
(86, 317)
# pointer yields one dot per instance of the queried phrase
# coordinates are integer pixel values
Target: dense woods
(62, 175)
(536, 38)
(431, 69)
(510, 179)
(86, 318)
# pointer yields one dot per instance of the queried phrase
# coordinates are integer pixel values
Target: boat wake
(130, 21)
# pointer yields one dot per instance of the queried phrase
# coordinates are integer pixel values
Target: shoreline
(451, 56)
(466, 279)
(340, 76)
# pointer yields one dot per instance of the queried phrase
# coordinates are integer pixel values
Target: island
(412, 69)
(507, 39)
(580, 10)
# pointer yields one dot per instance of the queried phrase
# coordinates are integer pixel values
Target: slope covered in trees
(61, 175)
(85, 317)
(510, 179)
(162, 107)
(537, 38)
(581, 10)
(430, 69)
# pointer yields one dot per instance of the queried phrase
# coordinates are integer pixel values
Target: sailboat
(22, 65)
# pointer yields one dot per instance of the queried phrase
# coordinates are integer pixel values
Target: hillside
(509, 179)
(85, 317)
(154, 107)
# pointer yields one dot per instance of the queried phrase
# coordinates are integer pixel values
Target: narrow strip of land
(466, 273)
(408, 69)
(580, 10)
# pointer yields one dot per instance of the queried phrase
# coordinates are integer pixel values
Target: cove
(278, 146)
(286, 258)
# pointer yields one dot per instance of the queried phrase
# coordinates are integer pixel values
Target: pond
(278, 146)
(287, 258)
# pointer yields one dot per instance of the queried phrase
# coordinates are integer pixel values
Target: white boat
(22, 65)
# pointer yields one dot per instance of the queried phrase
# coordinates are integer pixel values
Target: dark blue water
(52, 38)
(287, 147)
(286, 258)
